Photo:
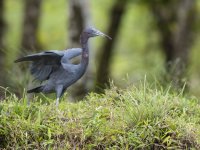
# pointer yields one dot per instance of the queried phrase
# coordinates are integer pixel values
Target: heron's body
(55, 66)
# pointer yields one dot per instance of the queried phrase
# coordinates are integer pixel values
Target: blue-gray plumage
(55, 67)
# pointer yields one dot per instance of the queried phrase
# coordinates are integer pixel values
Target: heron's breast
(85, 55)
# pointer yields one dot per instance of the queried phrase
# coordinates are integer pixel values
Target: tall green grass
(146, 117)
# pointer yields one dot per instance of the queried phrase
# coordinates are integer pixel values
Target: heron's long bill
(102, 34)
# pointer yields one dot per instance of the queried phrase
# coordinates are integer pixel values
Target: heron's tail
(36, 90)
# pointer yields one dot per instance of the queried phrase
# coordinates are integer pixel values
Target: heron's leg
(59, 92)
(57, 102)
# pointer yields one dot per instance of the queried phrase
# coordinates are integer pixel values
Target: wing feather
(44, 63)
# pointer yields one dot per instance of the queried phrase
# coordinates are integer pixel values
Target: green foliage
(147, 117)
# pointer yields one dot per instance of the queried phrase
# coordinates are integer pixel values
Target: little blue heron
(55, 67)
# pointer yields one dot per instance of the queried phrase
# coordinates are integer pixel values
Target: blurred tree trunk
(2, 45)
(175, 20)
(31, 23)
(78, 19)
(103, 71)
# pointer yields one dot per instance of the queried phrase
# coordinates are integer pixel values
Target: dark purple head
(92, 32)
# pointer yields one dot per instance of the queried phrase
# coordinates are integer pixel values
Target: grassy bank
(141, 118)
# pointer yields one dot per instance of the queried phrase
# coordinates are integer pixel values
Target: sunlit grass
(146, 117)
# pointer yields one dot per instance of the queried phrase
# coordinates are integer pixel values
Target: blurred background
(156, 39)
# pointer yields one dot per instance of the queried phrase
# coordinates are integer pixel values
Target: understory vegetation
(146, 117)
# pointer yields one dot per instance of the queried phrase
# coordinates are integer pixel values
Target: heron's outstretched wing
(44, 63)
(40, 56)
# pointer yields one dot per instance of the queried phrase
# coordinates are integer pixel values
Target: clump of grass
(132, 118)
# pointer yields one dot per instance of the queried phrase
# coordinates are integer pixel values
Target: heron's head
(92, 32)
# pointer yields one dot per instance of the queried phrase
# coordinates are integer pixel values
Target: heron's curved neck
(85, 52)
